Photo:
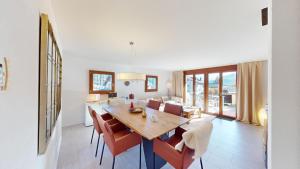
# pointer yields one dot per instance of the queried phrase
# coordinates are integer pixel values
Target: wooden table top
(145, 126)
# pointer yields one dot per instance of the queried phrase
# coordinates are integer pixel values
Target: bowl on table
(136, 110)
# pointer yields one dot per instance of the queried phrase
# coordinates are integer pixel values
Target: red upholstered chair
(173, 109)
(166, 150)
(153, 104)
(118, 138)
(105, 117)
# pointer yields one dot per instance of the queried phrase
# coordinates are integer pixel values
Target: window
(199, 91)
(212, 89)
(213, 92)
(189, 96)
(50, 77)
(229, 93)
(101, 82)
(151, 84)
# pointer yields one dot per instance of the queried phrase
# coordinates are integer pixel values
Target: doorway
(214, 90)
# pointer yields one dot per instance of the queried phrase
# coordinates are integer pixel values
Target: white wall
(50, 158)
(285, 119)
(75, 84)
(19, 42)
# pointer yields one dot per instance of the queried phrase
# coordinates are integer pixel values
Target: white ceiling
(168, 34)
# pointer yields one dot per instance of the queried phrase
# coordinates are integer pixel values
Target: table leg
(148, 151)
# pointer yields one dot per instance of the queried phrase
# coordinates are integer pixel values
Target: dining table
(156, 124)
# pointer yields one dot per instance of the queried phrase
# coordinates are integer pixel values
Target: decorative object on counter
(3, 74)
(112, 95)
(93, 98)
(131, 96)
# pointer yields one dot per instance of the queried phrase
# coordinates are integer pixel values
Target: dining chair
(173, 109)
(96, 126)
(118, 138)
(179, 159)
(153, 104)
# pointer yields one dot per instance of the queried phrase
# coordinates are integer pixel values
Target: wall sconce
(127, 77)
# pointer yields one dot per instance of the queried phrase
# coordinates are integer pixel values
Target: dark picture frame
(149, 86)
(111, 82)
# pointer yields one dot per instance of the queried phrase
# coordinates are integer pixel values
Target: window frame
(206, 71)
(50, 78)
(146, 83)
(91, 82)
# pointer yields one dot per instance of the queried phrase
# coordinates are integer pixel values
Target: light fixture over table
(130, 76)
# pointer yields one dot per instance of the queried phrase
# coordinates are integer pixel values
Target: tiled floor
(233, 145)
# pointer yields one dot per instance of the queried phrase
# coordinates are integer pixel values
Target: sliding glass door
(199, 91)
(213, 93)
(189, 91)
(229, 94)
(213, 90)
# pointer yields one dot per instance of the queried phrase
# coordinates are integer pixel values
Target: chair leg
(153, 160)
(201, 162)
(102, 152)
(140, 156)
(97, 146)
(113, 165)
(92, 135)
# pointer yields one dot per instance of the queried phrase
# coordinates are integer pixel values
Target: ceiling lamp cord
(133, 52)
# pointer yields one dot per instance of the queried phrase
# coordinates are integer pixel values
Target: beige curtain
(252, 91)
(177, 84)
